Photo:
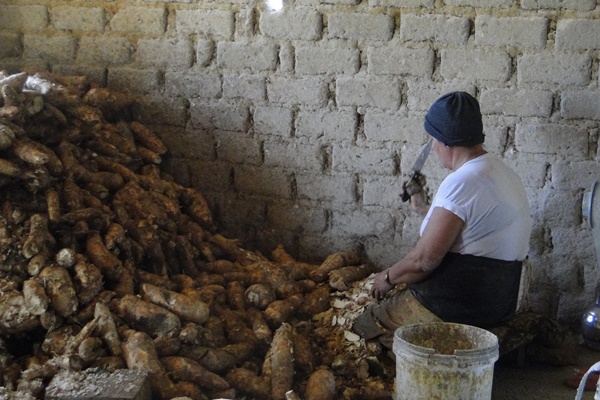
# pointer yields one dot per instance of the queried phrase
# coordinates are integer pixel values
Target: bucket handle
(581, 388)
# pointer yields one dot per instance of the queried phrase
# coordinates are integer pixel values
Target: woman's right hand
(419, 202)
(381, 285)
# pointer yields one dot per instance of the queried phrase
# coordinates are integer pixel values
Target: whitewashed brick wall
(300, 126)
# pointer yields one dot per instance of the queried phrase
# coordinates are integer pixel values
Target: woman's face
(441, 152)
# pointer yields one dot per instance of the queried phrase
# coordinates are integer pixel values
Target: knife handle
(412, 186)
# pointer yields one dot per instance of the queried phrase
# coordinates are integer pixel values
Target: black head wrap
(455, 120)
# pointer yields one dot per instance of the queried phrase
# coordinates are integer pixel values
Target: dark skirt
(471, 290)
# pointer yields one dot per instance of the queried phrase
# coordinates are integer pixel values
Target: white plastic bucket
(443, 360)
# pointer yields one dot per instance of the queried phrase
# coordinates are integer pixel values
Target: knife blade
(416, 168)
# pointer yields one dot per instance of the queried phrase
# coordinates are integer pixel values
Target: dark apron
(471, 290)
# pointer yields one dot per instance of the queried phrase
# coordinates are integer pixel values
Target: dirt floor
(534, 381)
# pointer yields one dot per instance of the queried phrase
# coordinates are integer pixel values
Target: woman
(466, 266)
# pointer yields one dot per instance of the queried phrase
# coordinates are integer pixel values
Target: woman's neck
(462, 155)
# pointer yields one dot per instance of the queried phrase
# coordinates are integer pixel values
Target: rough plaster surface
(300, 126)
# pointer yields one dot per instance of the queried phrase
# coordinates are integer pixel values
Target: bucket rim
(485, 352)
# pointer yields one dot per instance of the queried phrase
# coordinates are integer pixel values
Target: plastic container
(443, 360)
(581, 388)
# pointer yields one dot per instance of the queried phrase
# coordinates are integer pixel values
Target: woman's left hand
(381, 285)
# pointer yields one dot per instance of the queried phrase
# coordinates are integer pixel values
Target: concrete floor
(540, 381)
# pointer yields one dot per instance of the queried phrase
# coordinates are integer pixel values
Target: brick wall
(300, 126)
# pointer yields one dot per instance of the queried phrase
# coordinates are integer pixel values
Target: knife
(417, 167)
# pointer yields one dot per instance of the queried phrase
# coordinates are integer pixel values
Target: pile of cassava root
(106, 262)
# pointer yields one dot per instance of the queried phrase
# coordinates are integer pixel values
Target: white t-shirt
(489, 197)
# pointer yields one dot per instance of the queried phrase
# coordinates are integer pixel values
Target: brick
(532, 173)
(316, 248)
(580, 104)
(223, 116)
(328, 125)
(162, 53)
(361, 223)
(275, 121)
(252, 56)
(562, 271)
(297, 154)
(402, 3)
(421, 95)
(570, 306)
(567, 273)
(432, 168)
(578, 34)
(186, 83)
(438, 28)
(410, 231)
(368, 92)
(244, 23)
(400, 61)
(570, 241)
(12, 64)
(382, 127)
(471, 65)
(238, 148)
(210, 175)
(556, 208)
(295, 24)
(562, 69)
(377, 251)
(249, 87)
(151, 21)
(104, 50)
(360, 26)
(26, 18)
(514, 31)
(383, 191)
(496, 136)
(373, 160)
(167, 1)
(160, 110)
(307, 91)
(241, 213)
(319, 2)
(268, 239)
(134, 80)
(574, 175)
(337, 189)
(189, 144)
(96, 75)
(53, 49)
(178, 168)
(481, 3)
(560, 139)
(318, 60)
(522, 103)
(89, 19)
(100, 384)
(576, 5)
(218, 23)
(270, 182)
(286, 57)
(10, 45)
(306, 218)
(204, 52)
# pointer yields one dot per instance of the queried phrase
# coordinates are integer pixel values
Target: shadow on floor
(535, 381)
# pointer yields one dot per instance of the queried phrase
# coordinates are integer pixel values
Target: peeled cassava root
(115, 265)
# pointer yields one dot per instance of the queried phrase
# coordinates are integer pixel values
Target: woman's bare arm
(440, 234)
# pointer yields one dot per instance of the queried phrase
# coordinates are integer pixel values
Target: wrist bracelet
(387, 278)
